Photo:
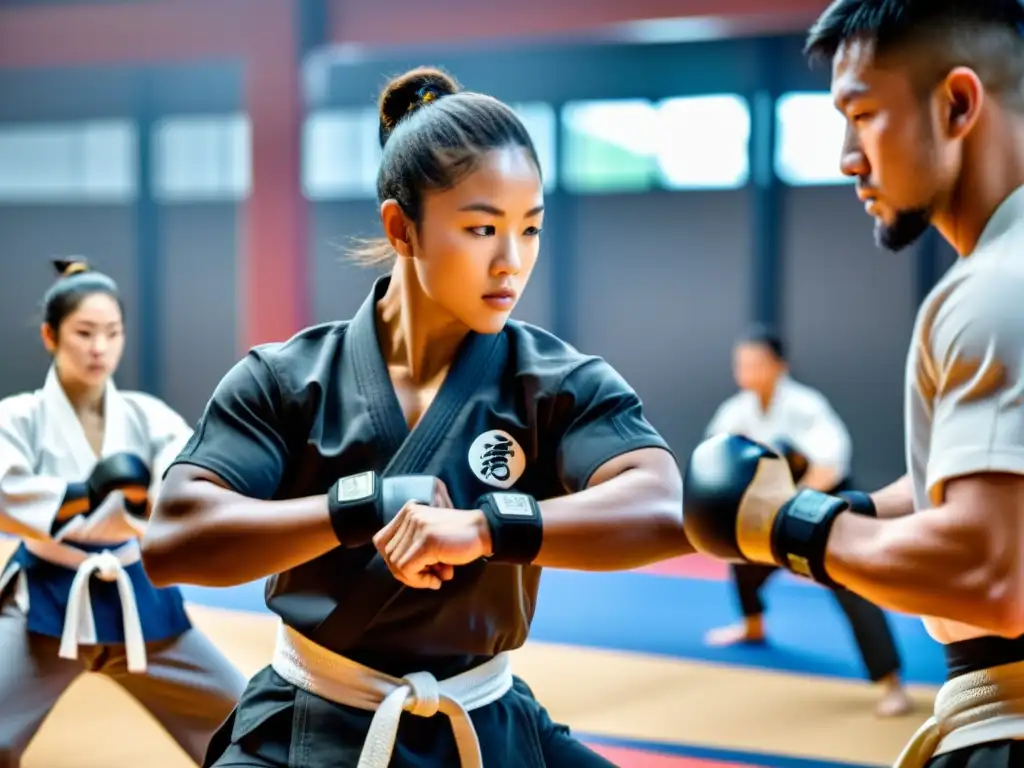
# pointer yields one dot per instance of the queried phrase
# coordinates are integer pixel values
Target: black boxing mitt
(362, 504)
(740, 505)
(515, 524)
(117, 472)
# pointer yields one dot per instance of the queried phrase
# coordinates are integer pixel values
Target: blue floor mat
(669, 616)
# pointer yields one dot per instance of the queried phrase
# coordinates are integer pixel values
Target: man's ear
(964, 96)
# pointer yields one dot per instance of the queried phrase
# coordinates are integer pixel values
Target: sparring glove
(123, 472)
(360, 505)
(516, 527)
(740, 504)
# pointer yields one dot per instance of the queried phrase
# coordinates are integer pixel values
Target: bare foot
(894, 703)
(745, 633)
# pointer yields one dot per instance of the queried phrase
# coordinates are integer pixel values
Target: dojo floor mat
(619, 657)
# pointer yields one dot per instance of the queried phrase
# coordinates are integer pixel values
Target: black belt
(980, 653)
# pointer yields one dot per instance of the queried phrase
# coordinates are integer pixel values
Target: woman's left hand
(421, 545)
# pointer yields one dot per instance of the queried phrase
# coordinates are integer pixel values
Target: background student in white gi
(772, 408)
(79, 461)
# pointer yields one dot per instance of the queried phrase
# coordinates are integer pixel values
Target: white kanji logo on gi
(497, 459)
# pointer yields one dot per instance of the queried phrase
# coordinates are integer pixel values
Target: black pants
(997, 754)
(871, 631)
(279, 726)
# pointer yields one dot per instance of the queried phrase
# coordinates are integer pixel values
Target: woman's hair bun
(407, 93)
(69, 267)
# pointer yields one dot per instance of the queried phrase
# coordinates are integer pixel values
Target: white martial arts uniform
(797, 413)
(81, 594)
(965, 415)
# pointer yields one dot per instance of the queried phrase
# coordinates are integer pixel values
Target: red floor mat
(625, 757)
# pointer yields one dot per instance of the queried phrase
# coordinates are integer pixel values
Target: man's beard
(905, 230)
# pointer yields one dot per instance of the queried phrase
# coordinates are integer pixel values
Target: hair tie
(424, 96)
(76, 268)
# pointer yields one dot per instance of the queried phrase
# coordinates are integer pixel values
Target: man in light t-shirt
(772, 408)
(933, 96)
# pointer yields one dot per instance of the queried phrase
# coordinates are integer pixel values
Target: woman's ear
(396, 228)
(49, 337)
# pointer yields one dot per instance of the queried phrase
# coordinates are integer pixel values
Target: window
(90, 161)
(341, 154)
(542, 125)
(341, 150)
(704, 142)
(809, 139)
(634, 145)
(202, 158)
(609, 146)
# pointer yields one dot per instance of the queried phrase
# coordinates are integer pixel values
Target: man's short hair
(765, 336)
(985, 35)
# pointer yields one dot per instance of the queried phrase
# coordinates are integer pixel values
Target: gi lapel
(116, 434)
(63, 434)
(412, 452)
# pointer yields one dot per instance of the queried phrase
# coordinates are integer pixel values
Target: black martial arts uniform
(520, 410)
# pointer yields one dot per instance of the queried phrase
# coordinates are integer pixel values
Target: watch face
(355, 488)
(513, 505)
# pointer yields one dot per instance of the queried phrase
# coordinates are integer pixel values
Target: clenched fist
(422, 544)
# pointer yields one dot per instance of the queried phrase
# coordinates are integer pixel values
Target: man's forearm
(927, 564)
(627, 522)
(895, 499)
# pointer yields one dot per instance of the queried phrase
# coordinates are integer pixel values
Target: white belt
(108, 565)
(323, 673)
(972, 709)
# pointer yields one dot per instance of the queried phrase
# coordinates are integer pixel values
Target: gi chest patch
(497, 459)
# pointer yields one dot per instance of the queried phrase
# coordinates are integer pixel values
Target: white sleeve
(168, 432)
(973, 375)
(29, 503)
(823, 439)
(726, 419)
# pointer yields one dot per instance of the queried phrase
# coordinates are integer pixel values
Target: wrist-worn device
(516, 527)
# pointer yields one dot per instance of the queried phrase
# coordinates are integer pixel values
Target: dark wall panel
(29, 237)
(201, 308)
(663, 286)
(849, 311)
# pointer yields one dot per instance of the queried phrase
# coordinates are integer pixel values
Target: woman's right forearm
(895, 499)
(205, 535)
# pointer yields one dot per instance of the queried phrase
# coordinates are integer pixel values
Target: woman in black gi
(403, 477)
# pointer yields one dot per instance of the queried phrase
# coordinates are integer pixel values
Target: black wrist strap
(515, 524)
(800, 534)
(354, 503)
(859, 502)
